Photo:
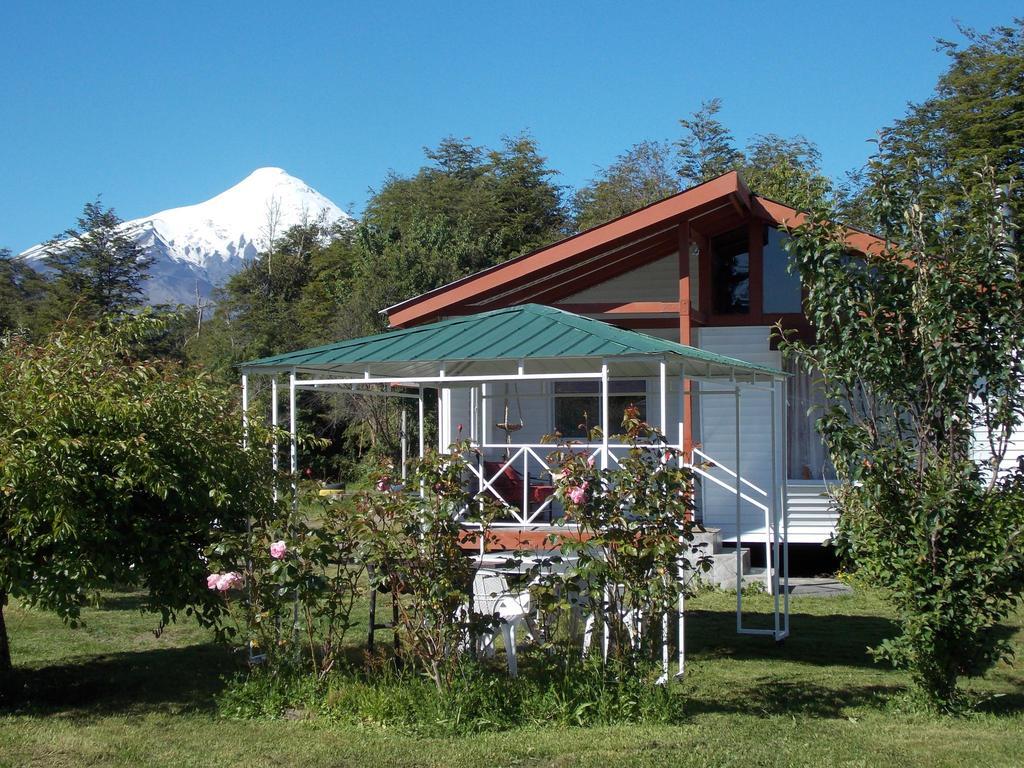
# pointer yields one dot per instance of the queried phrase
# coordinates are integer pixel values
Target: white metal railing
(495, 483)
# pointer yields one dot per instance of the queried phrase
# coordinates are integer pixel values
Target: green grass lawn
(113, 694)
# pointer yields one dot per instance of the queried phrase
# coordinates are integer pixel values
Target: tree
(116, 470)
(922, 352)
(98, 268)
(286, 298)
(707, 148)
(977, 111)
(502, 199)
(22, 291)
(786, 170)
(640, 176)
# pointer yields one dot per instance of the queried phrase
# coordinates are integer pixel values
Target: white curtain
(807, 458)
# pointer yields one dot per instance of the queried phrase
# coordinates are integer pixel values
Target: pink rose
(278, 550)
(211, 580)
(228, 581)
(578, 493)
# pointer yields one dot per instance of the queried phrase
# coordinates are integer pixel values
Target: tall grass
(550, 690)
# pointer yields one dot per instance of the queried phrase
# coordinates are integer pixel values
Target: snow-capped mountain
(197, 247)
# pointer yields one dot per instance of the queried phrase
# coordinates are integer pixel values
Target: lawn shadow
(177, 679)
(122, 602)
(769, 696)
(814, 639)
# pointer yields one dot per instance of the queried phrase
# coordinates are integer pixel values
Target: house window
(730, 273)
(781, 285)
(578, 405)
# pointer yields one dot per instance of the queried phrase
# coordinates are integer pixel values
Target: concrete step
(710, 539)
(755, 576)
(723, 568)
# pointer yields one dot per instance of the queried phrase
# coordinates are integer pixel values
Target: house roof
(627, 241)
(527, 332)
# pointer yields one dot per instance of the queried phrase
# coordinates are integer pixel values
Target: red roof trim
(550, 259)
(434, 303)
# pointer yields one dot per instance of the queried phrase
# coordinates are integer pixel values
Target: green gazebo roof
(525, 332)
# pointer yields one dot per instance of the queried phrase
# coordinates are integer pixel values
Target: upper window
(578, 405)
(781, 284)
(730, 273)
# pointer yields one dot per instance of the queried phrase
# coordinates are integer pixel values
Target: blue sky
(162, 104)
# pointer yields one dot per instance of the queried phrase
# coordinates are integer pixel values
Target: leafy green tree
(786, 170)
(283, 300)
(502, 199)
(640, 176)
(707, 148)
(98, 268)
(922, 352)
(116, 470)
(977, 111)
(22, 292)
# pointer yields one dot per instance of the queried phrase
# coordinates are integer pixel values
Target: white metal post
(405, 443)
(245, 410)
(773, 562)
(663, 385)
(275, 458)
(604, 414)
(422, 435)
(443, 420)
(664, 646)
(784, 493)
(739, 536)
(681, 607)
(293, 444)
(769, 513)
(663, 403)
(483, 415)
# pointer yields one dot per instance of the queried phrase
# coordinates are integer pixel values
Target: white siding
(812, 516)
(717, 436)
(1014, 451)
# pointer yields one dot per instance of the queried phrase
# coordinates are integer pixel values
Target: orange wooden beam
(620, 308)
(783, 215)
(477, 286)
(590, 274)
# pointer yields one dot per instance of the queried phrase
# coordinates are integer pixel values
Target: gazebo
(482, 368)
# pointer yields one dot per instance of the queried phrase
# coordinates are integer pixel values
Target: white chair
(633, 620)
(492, 597)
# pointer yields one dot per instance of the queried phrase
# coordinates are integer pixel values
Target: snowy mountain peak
(197, 247)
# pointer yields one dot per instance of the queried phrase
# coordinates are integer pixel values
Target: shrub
(921, 350)
(635, 524)
(116, 469)
(410, 543)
